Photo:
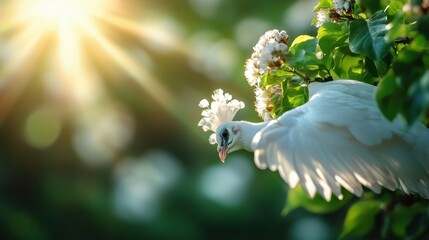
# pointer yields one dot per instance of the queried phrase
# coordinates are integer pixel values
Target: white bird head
(228, 139)
(217, 117)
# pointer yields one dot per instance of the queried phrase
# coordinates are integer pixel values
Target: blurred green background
(98, 123)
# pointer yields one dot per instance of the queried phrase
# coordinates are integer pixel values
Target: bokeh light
(248, 31)
(101, 133)
(214, 56)
(206, 8)
(227, 184)
(140, 183)
(310, 228)
(42, 128)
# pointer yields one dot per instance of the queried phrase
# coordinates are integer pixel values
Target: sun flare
(60, 12)
(67, 34)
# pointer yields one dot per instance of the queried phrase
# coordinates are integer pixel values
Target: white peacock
(339, 138)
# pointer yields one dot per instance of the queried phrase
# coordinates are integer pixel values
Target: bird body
(339, 138)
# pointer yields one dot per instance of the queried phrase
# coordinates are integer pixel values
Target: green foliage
(385, 43)
(332, 36)
(373, 42)
(293, 97)
(297, 198)
(360, 217)
(302, 59)
(403, 215)
(324, 4)
(367, 36)
(405, 89)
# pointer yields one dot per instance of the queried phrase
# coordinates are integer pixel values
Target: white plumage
(339, 138)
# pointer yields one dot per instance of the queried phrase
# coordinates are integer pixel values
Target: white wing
(340, 138)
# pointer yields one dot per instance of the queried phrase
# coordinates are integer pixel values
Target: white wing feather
(340, 139)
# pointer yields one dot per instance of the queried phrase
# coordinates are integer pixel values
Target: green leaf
(360, 217)
(403, 215)
(387, 101)
(418, 44)
(381, 67)
(297, 96)
(368, 37)
(297, 198)
(397, 29)
(281, 73)
(294, 81)
(331, 36)
(263, 80)
(324, 4)
(275, 76)
(303, 60)
(395, 7)
(419, 98)
(348, 65)
(294, 96)
(304, 43)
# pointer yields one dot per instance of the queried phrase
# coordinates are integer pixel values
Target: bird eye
(225, 134)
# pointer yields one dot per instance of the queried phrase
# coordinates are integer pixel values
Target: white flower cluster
(340, 8)
(221, 110)
(341, 5)
(322, 16)
(268, 53)
(263, 103)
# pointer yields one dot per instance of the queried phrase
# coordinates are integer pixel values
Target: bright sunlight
(56, 41)
(60, 13)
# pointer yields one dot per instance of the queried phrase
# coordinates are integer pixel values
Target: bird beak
(222, 153)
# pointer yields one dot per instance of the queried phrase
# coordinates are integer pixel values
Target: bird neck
(248, 132)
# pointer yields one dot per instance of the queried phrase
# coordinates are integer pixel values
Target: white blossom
(252, 71)
(222, 109)
(263, 103)
(268, 53)
(322, 16)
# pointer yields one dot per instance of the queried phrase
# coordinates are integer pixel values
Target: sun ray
(148, 32)
(12, 78)
(71, 26)
(144, 78)
(25, 37)
(25, 46)
(71, 67)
